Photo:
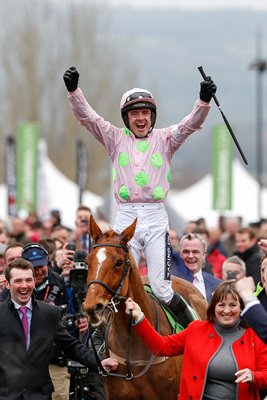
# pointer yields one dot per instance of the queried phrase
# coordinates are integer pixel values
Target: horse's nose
(95, 313)
(93, 310)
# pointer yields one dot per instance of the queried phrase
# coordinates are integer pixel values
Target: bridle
(126, 268)
(117, 297)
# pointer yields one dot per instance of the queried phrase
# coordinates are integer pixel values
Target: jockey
(141, 160)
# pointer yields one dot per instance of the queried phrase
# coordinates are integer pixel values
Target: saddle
(174, 320)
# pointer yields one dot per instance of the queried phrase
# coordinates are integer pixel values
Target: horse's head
(108, 270)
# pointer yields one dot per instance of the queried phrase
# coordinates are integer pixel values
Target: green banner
(27, 167)
(222, 157)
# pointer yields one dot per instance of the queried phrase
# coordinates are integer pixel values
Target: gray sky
(193, 4)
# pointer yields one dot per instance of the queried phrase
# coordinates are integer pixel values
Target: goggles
(138, 96)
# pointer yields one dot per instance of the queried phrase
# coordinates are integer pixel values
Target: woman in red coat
(222, 358)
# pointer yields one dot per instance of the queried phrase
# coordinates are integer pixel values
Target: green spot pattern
(126, 132)
(124, 159)
(124, 192)
(158, 193)
(157, 160)
(141, 179)
(169, 177)
(142, 146)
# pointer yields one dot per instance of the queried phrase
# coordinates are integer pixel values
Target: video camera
(78, 283)
(78, 276)
(75, 367)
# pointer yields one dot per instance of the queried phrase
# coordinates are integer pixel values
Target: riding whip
(224, 118)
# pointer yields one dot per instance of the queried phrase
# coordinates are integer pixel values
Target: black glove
(207, 89)
(71, 79)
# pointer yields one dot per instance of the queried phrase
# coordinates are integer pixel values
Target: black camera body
(231, 275)
(75, 367)
(78, 276)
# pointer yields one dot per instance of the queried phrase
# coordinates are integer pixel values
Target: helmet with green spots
(135, 99)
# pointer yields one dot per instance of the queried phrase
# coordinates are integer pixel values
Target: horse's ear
(128, 233)
(94, 229)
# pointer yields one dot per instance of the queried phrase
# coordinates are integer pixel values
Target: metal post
(260, 66)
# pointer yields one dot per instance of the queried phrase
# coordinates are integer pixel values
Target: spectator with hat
(49, 286)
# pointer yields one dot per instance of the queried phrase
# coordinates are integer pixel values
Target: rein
(116, 295)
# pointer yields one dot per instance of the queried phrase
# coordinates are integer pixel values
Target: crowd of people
(244, 262)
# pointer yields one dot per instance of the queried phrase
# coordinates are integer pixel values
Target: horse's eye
(118, 264)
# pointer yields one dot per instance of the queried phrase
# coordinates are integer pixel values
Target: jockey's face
(140, 121)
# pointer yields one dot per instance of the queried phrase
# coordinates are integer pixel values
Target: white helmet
(137, 98)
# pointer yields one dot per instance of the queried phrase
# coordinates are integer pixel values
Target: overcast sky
(194, 4)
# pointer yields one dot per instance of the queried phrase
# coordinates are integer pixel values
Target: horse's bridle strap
(137, 363)
(120, 246)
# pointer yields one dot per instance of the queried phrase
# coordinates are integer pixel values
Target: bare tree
(39, 39)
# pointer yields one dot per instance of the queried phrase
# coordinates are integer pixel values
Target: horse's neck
(121, 322)
(137, 292)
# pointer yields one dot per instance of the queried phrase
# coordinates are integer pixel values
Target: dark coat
(24, 374)
(180, 270)
(252, 259)
(55, 285)
(210, 283)
(256, 318)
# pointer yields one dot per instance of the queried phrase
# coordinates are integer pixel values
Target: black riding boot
(179, 308)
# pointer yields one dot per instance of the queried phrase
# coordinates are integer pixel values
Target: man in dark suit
(193, 251)
(25, 353)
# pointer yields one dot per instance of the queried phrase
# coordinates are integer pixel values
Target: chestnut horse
(112, 278)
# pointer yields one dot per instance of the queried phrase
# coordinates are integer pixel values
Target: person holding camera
(233, 268)
(80, 236)
(141, 160)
